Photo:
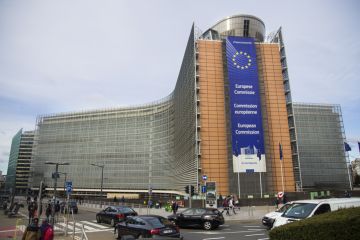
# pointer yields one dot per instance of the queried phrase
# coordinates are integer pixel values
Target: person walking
(231, 204)
(174, 207)
(48, 211)
(226, 206)
(31, 210)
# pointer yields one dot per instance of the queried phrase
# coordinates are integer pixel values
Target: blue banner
(246, 118)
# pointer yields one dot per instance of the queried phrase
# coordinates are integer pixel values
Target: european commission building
(230, 117)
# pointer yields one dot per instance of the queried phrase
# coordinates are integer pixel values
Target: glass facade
(320, 135)
(13, 159)
(241, 25)
(141, 147)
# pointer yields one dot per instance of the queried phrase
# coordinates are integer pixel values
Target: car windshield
(283, 208)
(125, 210)
(299, 210)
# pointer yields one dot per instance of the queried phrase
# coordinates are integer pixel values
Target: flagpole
(238, 182)
(282, 176)
(281, 165)
(261, 192)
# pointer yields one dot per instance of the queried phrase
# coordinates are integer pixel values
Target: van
(307, 208)
(269, 219)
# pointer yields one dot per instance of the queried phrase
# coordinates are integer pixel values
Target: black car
(207, 218)
(114, 214)
(147, 226)
(72, 207)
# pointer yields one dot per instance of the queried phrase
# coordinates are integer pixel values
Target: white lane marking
(94, 224)
(214, 233)
(256, 234)
(263, 238)
(253, 226)
(213, 238)
(85, 226)
(70, 226)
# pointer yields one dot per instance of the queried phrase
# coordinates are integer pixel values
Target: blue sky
(63, 56)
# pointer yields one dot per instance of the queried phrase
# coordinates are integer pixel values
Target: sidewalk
(246, 213)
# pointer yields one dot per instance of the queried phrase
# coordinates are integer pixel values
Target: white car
(269, 219)
(308, 208)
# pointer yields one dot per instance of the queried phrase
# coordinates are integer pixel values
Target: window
(323, 209)
(246, 27)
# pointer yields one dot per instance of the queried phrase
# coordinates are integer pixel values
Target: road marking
(256, 234)
(94, 224)
(234, 232)
(85, 226)
(263, 238)
(70, 226)
(213, 238)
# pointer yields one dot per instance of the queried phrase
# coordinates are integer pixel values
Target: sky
(68, 56)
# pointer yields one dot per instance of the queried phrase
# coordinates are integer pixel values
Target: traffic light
(43, 190)
(192, 190)
(187, 188)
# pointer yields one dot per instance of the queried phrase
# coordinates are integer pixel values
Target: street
(252, 229)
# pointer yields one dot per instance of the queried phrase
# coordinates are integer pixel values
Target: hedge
(340, 225)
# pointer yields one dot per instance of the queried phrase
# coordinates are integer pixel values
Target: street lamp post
(102, 179)
(55, 176)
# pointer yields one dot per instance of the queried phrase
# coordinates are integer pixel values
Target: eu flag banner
(347, 147)
(280, 151)
(246, 119)
(359, 146)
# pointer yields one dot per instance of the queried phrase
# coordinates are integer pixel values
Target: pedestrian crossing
(89, 227)
(77, 226)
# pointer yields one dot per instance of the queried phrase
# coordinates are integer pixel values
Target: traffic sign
(280, 194)
(204, 177)
(203, 189)
(68, 187)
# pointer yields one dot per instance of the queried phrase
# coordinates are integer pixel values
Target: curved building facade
(229, 117)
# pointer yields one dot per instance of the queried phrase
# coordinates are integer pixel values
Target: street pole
(189, 195)
(101, 187)
(102, 179)
(55, 176)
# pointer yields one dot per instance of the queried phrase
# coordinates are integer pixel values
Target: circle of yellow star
(244, 54)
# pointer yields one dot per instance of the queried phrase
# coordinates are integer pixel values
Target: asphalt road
(232, 230)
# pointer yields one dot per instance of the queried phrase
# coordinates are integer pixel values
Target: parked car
(269, 219)
(307, 208)
(207, 218)
(72, 207)
(114, 214)
(147, 226)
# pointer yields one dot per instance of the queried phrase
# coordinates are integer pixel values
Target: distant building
(19, 161)
(2, 181)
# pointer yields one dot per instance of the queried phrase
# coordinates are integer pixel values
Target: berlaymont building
(230, 117)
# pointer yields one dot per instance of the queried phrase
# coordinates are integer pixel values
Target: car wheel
(207, 225)
(112, 223)
(140, 237)
(98, 219)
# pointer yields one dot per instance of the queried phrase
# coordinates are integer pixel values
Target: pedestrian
(285, 199)
(115, 199)
(46, 230)
(122, 200)
(231, 204)
(48, 211)
(31, 210)
(277, 201)
(174, 207)
(32, 231)
(226, 206)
